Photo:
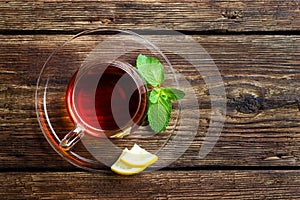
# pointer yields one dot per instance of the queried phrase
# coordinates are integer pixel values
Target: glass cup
(104, 100)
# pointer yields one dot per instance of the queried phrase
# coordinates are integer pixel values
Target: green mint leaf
(159, 114)
(157, 96)
(166, 103)
(141, 60)
(172, 93)
(151, 69)
(154, 95)
(158, 117)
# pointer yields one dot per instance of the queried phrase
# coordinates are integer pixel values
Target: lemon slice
(133, 161)
(121, 168)
(138, 157)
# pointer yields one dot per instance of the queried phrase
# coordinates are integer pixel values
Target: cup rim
(129, 69)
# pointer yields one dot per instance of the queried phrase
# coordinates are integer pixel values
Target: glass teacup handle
(71, 138)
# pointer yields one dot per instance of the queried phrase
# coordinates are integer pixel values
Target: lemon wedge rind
(138, 160)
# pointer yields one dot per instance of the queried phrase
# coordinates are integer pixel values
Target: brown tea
(109, 99)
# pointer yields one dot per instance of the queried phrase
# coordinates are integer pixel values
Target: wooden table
(255, 45)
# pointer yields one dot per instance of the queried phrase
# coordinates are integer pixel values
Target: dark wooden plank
(257, 70)
(157, 185)
(250, 15)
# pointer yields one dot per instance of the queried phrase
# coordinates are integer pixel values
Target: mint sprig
(159, 99)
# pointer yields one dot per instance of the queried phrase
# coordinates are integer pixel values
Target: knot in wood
(249, 104)
(232, 14)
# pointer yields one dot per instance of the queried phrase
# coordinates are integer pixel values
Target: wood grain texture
(258, 153)
(208, 15)
(261, 76)
(156, 185)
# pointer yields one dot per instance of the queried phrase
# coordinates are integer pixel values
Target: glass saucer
(107, 46)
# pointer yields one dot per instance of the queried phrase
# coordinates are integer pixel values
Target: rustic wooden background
(256, 46)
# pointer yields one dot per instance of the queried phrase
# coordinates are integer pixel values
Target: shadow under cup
(104, 100)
